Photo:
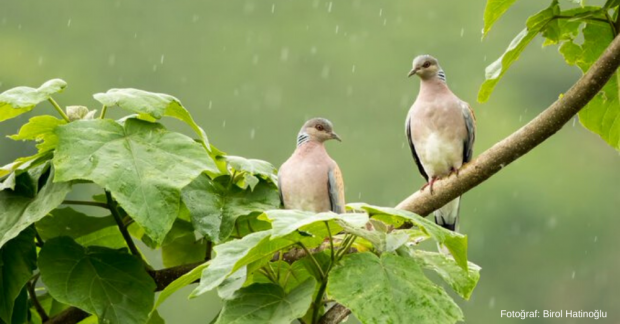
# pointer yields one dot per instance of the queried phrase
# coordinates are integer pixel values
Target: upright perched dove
(310, 180)
(441, 131)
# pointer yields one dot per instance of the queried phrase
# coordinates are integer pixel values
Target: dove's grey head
(316, 130)
(427, 67)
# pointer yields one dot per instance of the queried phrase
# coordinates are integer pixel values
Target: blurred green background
(544, 229)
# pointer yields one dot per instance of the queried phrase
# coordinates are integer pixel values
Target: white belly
(439, 155)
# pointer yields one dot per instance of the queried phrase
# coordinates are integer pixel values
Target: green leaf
(215, 205)
(251, 168)
(85, 230)
(602, 114)
(267, 303)
(455, 242)
(18, 212)
(17, 101)
(289, 276)
(463, 282)
(285, 222)
(389, 289)
(233, 283)
(180, 282)
(181, 247)
(141, 163)
(18, 259)
(611, 3)
(40, 129)
(234, 255)
(22, 164)
(495, 71)
(26, 182)
(108, 283)
(151, 106)
(69, 222)
(493, 11)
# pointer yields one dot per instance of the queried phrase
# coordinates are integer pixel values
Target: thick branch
(336, 314)
(522, 141)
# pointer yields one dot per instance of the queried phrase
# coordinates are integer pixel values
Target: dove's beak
(412, 72)
(336, 137)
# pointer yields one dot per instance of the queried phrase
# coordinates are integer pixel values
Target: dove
(441, 129)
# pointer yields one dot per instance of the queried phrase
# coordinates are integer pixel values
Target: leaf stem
(121, 226)
(39, 241)
(34, 300)
(104, 109)
(85, 203)
(58, 109)
(316, 263)
(318, 301)
(331, 244)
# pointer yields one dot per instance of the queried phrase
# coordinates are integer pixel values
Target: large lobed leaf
(602, 114)
(215, 205)
(108, 283)
(151, 106)
(17, 211)
(17, 101)
(267, 304)
(455, 242)
(40, 129)
(18, 259)
(285, 222)
(251, 170)
(493, 10)
(390, 289)
(494, 72)
(144, 166)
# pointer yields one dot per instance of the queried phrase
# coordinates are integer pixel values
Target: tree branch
(520, 142)
(477, 171)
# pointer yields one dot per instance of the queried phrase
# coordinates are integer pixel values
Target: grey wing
(335, 186)
(470, 124)
(413, 152)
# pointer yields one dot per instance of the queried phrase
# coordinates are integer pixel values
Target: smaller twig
(209, 250)
(335, 315)
(38, 240)
(58, 109)
(33, 298)
(85, 203)
(121, 226)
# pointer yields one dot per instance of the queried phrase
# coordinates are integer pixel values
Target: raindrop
(116, 165)
(353, 69)
(502, 165)
(595, 239)
(380, 12)
(325, 72)
(91, 158)
(40, 60)
(210, 104)
(313, 50)
(273, 8)
(111, 60)
(69, 23)
(329, 8)
(252, 133)
(492, 303)
(484, 59)
(337, 28)
(135, 35)
(575, 120)
(67, 228)
(224, 124)
(161, 60)
(154, 67)
(255, 59)
(349, 90)
(195, 18)
(552, 222)
(520, 117)
(19, 27)
(384, 22)
(359, 195)
(284, 54)
(573, 275)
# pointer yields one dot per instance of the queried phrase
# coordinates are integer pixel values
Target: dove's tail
(448, 215)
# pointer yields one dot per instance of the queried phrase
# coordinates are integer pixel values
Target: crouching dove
(310, 180)
(441, 131)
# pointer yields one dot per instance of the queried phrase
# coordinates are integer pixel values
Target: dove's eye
(320, 127)
(426, 64)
